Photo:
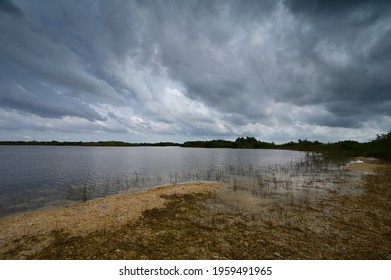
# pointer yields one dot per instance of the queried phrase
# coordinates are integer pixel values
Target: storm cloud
(6, 6)
(184, 70)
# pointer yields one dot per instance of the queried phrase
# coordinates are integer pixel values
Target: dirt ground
(203, 221)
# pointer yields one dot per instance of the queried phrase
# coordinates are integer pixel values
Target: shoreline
(214, 221)
(366, 164)
(85, 217)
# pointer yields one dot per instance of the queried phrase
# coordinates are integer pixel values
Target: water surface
(35, 176)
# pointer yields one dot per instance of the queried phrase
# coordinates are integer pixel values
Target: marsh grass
(299, 183)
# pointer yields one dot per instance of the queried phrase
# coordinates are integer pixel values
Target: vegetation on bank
(380, 147)
(239, 143)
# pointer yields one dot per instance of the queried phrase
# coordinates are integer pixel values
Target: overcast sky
(151, 71)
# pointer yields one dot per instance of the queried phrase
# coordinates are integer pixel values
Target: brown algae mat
(203, 221)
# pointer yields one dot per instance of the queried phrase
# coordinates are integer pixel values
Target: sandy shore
(83, 218)
(365, 164)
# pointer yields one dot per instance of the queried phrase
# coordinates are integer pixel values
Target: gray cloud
(6, 6)
(201, 68)
(331, 8)
(44, 103)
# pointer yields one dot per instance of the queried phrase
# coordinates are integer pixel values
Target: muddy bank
(210, 221)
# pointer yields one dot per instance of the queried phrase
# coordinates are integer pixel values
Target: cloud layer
(181, 70)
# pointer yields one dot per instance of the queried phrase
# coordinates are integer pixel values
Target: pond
(38, 176)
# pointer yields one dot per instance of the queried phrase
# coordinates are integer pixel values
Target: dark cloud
(331, 8)
(6, 6)
(44, 103)
(201, 68)
(350, 52)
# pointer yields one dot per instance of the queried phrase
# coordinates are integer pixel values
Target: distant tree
(246, 143)
(381, 146)
(386, 137)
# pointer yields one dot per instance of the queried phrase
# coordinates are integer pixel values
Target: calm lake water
(38, 176)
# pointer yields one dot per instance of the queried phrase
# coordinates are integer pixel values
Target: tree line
(379, 147)
(239, 143)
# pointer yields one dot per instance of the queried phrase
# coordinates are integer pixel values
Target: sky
(154, 71)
